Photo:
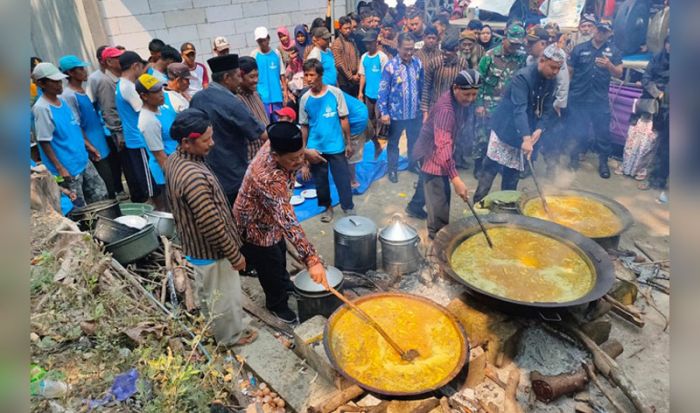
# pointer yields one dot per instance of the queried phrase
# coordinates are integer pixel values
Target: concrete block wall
(133, 23)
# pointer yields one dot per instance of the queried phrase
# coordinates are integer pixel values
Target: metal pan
(462, 347)
(451, 236)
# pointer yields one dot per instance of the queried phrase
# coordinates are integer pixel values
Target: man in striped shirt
(248, 92)
(451, 113)
(440, 73)
(206, 227)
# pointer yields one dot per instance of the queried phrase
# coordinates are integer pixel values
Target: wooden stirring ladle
(481, 224)
(539, 190)
(405, 355)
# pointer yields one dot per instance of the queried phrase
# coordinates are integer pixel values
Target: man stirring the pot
(266, 217)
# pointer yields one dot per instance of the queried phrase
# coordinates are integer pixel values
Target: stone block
(119, 8)
(282, 6)
(280, 368)
(209, 3)
(184, 17)
(141, 23)
(313, 5)
(178, 35)
(111, 26)
(254, 8)
(216, 29)
(277, 20)
(222, 13)
(247, 26)
(133, 41)
(169, 5)
(308, 340)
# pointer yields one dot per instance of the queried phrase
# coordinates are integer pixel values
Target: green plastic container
(134, 208)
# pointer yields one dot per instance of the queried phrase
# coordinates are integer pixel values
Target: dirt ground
(646, 358)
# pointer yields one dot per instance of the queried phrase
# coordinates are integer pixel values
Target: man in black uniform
(591, 65)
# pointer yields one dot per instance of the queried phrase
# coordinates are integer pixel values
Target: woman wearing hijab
(302, 40)
(487, 40)
(286, 44)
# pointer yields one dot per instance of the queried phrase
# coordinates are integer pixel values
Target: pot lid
(398, 230)
(356, 226)
(303, 281)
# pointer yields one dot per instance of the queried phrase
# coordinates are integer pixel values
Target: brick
(247, 26)
(118, 8)
(277, 20)
(209, 3)
(313, 5)
(216, 29)
(178, 35)
(221, 13)
(133, 41)
(168, 5)
(144, 22)
(282, 6)
(184, 17)
(257, 8)
(112, 26)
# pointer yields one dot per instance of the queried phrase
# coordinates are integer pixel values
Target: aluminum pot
(163, 221)
(109, 231)
(313, 299)
(355, 244)
(86, 216)
(135, 208)
(135, 246)
(399, 243)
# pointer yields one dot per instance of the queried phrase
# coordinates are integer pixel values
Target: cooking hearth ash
(550, 355)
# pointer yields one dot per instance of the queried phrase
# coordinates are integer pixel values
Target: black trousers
(396, 128)
(660, 167)
(581, 117)
(341, 176)
(489, 170)
(437, 202)
(115, 165)
(271, 266)
(138, 175)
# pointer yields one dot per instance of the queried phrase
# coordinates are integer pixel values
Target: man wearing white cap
(63, 146)
(272, 83)
(221, 46)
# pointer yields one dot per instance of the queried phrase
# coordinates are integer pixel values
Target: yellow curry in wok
(414, 324)
(585, 215)
(524, 266)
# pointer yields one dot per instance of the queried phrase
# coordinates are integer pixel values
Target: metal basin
(135, 246)
(86, 216)
(109, 231)
(451, 236)
(622, 213)
(135, 208)
(163, 221)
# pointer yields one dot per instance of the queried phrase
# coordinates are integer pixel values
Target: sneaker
(122, 196)
(286, 316)
(349, 211)
(418, 214)
(603, 168)
(393, 177)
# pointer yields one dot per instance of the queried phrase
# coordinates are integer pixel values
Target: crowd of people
(221, 145)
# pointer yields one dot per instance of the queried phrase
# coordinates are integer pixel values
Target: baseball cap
(515, 34)
(69, 62)
(604, 25)
(536, 34)
(180, 70)
(186, 48)
(111, 52)
(47, 71)
(128, 58)
(220, 43)
(148, 83)
(261, 33)
(288, 112)
(322, 32)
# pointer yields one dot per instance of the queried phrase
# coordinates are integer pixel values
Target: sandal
(249, 335)
(327, 215)
(644, 186)
(640, 177)
(618, 171)
(354, 185)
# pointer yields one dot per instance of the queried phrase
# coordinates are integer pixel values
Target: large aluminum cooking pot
(109, 231)
(312, 298)
(451, 236)
(355, 244)
(400, 254)
(163, 221)
(622, 213)
(86, 216)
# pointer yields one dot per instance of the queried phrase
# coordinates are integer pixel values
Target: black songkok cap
(285, 137)
(247, 64)
(223, 63)
(190, 123)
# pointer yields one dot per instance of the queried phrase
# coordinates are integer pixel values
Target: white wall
(133, 23)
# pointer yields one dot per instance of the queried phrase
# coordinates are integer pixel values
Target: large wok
(451, 236)
(622, 213)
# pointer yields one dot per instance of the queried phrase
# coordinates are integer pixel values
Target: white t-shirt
(127, 88)
(178, 101)
(150, 127)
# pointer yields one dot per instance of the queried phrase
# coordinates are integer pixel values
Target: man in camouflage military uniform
(497, 67)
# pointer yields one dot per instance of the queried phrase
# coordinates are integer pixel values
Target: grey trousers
(88, 186)
(437, 202)
(218, 288)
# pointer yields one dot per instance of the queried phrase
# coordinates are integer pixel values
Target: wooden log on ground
(549, 388)
(626, 312)
(336, 400)
(510, 404)
(594, 379)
